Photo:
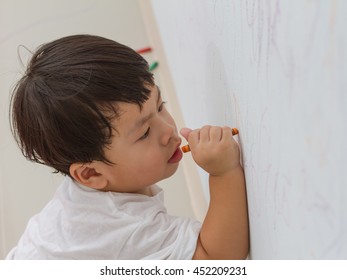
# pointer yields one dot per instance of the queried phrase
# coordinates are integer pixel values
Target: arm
(224, 232)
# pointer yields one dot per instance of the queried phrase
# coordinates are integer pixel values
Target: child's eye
(144, 136)
(161, 107)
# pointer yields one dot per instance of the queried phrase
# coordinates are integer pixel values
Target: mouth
(177, 155)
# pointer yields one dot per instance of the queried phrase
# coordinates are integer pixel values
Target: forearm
(224, 234)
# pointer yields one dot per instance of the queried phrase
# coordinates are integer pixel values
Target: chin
(172, 171)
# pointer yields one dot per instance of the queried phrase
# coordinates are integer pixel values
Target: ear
(87, 175)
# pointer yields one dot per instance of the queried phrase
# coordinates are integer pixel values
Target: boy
(88, 107)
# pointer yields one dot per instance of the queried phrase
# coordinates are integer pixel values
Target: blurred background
(26, 187)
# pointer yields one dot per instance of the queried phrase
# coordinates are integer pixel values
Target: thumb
(185, 132)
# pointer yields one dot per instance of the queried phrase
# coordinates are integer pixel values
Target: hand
(213, 149)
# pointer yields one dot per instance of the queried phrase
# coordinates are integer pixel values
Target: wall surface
(26, 187)
(276, 70)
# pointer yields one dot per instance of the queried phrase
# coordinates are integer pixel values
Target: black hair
(62, 108)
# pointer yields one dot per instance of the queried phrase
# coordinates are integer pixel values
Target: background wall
(276, 70)
(26, 187)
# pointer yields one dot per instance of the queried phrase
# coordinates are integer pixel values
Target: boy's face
(145, 148)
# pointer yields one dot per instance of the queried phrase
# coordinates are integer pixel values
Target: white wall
(276, 70)
(25, 187)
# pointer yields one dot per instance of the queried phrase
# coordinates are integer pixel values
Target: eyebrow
(145, 119)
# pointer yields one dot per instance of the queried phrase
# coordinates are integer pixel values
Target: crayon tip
(185, 149)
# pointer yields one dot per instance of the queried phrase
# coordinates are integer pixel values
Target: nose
(167, 132)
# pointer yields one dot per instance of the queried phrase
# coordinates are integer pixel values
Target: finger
(227, 134)
(215, 133)
(205, 134)
(194, 138)
(185, 132)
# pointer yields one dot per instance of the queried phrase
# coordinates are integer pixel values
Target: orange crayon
(186, 148)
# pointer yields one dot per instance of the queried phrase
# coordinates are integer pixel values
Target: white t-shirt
(82, 223)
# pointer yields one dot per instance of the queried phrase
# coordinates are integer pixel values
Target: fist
(213, 148)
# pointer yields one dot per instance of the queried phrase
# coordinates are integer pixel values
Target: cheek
(152, 157)
(138, 155)
(151, 163)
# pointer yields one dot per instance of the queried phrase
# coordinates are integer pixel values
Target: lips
(177, 155)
